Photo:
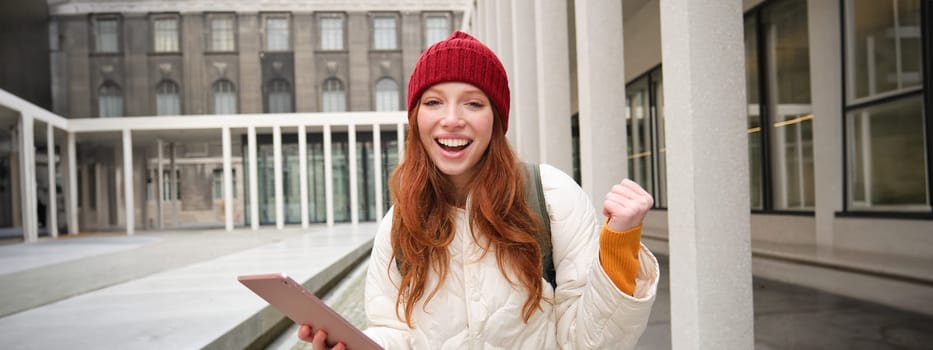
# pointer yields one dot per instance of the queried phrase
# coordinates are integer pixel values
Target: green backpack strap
(534, 195)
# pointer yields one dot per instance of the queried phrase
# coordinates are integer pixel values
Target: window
(224, 97)
(436, 28)
(644, 117)
(384, 35)
(279, 97)
(331, 33)
(168, 102)
(886, 119)
(277, 33)
(107, 34)
(333, 97)
(109, 100)
(165, 34)
(167, 188)
(386, 95)
(780, 119)
(219, 183)
(222, 33)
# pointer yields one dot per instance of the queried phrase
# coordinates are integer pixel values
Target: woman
(469, 269)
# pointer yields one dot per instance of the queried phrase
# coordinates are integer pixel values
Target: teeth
(453, 142)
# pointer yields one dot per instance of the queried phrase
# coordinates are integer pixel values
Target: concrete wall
(24, 51)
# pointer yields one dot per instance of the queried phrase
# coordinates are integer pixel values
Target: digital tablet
(301, 306)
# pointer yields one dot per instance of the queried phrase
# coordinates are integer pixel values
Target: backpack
(534, 195)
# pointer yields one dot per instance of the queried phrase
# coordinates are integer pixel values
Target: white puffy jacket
(477, 308)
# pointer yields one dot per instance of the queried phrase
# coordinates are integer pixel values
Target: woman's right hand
(318, 340)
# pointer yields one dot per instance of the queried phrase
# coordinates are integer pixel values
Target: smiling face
(455, 125)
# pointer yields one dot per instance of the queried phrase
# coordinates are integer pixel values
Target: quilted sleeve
(591, 311)
(380, 293)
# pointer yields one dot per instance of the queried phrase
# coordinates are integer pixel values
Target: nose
(453, 118)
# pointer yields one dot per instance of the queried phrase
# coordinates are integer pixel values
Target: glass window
(885, 122)
(333, 96)
(790, 115)
(224, 97)
(884, 51)
(168, 101)
(660, 197)
(386, 95)
(107, 35)
(109, 100)
(280, 97)
(436, 28)
(331, 33)
(222, 33)
(165, 34)
(780, 119)
(277, 34)
(384, 36)
(638, 132)
(887, 157)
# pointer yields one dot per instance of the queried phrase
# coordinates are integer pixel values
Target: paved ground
(171, 290)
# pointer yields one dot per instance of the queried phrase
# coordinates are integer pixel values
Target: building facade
(114, 59)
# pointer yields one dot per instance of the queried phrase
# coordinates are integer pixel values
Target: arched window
(168, 101)
(109, 100)
(386, 95)
(333, 96)
(279, 96)
(224, 97)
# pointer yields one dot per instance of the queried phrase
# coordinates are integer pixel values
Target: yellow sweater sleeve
(618, 254)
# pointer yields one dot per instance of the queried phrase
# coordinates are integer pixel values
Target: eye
(475, 104)
(431, 102)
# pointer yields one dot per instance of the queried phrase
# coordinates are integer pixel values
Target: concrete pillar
(303, 173)
(354, 184)
(161, 185)
(129, 204)
(826, 92)
(328, 176)
(52, 212)
(228, 179)
(707, 143)
(173, 183)
(253, 181)
(525, 81)
(492, 23)
(553, 63)
(28, 178)
(504, 49)
(277, 162)
(377, 169)
(71, 185)
(602, 96)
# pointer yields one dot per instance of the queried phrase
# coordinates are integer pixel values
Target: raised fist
(626, 205)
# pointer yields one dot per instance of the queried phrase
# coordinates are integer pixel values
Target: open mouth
(453, 145)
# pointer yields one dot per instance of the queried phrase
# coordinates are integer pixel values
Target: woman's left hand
(626, 205)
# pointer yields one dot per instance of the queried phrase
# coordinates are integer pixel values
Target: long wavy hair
(423, 219)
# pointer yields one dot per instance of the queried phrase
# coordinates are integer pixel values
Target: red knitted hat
(462, 58)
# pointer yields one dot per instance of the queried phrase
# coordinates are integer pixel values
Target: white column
(253, 181)
(28, 181)
(400, 141)
(277, 161)
(553, 62)
(492, 24)
(173, 184)
(603, 161)
(328, 176)
(525, 81)
(52, 212)
(354, 185)
(129, 205)
(160, 202)
(708, 211)
(377, 169)
(823, 20)
(303, 174)
(504, 49)
(71, 194)
(228, 180)
(479, 19)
